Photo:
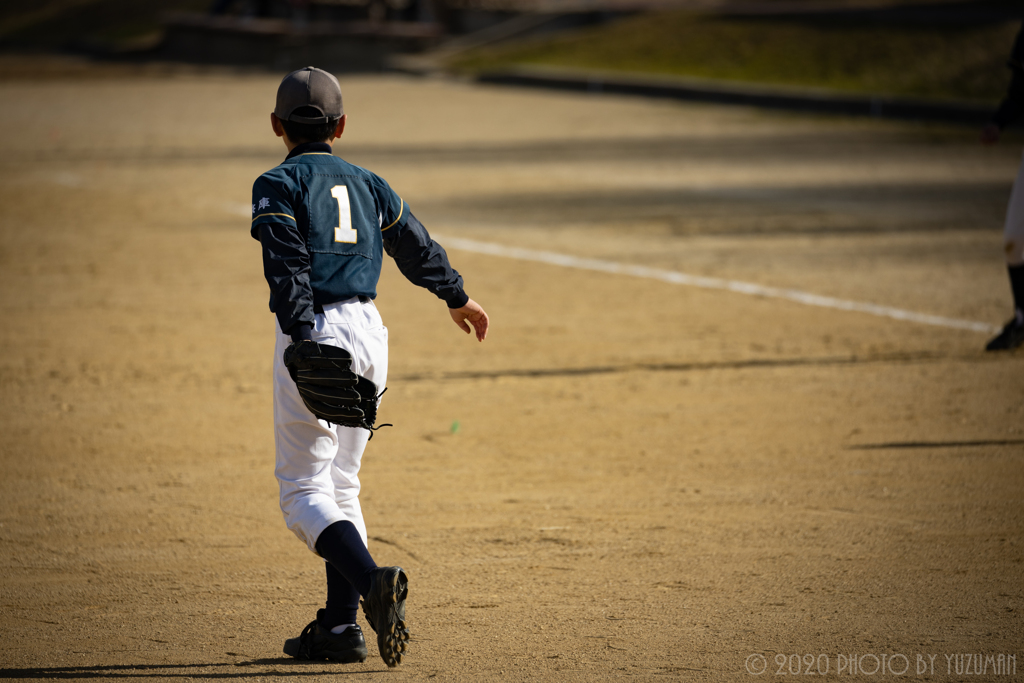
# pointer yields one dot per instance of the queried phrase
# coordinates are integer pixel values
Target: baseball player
(324, 225)
(1009, 111)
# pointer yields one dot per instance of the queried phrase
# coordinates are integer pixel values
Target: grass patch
(943, 61)
(48, 25)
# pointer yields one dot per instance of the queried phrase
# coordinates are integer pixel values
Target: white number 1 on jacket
(344, 232)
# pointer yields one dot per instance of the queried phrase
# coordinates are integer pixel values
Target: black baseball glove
(329, 388)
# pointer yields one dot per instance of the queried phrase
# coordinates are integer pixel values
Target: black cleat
(384, 609)
(317, 642)
(1011, 337)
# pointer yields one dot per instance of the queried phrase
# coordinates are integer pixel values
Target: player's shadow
(934, 444)
(750, 363)
(280, 666)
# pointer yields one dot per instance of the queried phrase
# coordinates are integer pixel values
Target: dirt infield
(629, 479)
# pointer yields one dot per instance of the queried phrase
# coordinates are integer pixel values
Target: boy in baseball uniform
(324, 225)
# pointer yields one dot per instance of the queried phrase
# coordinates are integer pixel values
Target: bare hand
(475, 315)
(990, 134)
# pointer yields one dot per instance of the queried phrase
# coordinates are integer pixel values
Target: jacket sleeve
(285, 258)
(286, 267)
(423, 261)
(1012, 107)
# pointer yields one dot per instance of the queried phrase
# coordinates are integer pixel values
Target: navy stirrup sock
(342, 599)
(1017, 285)
(342, 546)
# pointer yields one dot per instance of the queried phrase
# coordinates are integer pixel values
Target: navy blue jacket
(324, 225)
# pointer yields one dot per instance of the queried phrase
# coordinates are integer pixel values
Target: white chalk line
(678, 278)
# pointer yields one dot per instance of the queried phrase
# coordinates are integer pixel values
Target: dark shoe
(317, 642)
(384, 609)
(1011, 337)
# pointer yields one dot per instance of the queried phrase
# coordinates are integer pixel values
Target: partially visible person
(1010, 110)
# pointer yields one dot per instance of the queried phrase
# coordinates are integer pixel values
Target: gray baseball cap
(309, 87)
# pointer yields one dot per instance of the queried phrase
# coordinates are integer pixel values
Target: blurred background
(946, 50)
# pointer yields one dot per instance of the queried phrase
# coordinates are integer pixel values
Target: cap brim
(307, 119)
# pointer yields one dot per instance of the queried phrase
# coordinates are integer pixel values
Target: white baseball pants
(318, 464)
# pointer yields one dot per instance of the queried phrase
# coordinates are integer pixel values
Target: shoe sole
(292, 647)
(346, 657)
(392, 634)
